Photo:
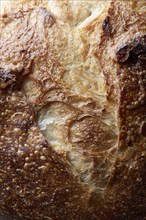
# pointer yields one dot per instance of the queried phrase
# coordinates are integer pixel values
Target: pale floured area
(77, 126)
(65, 82)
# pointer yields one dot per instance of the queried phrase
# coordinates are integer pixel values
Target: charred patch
(106, 26)
(133, 53)
(144, 129)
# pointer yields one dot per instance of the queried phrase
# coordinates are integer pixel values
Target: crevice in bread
(72, 116)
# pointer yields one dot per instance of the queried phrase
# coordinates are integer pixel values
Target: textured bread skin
(73, 110)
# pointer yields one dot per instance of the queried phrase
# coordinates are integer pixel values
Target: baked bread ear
(73, 110)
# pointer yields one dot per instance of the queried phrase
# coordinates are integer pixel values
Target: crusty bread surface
(73, 110)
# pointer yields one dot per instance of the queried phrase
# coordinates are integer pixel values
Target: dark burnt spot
(106, 26)
(144, 129)
(133, 53)
(140, 46)
(123, 54)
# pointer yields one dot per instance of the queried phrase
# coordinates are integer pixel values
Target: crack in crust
(73, 111)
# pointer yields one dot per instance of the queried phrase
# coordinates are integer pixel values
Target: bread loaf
(73, 110)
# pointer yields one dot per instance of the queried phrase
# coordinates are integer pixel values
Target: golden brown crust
(26, 161)
(73, 110)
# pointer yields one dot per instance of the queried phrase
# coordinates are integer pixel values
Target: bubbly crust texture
(73, 110)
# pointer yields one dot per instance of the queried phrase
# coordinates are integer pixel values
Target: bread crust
(73, 110)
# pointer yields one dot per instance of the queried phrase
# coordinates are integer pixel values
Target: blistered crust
(73, 110)
(26, 160)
